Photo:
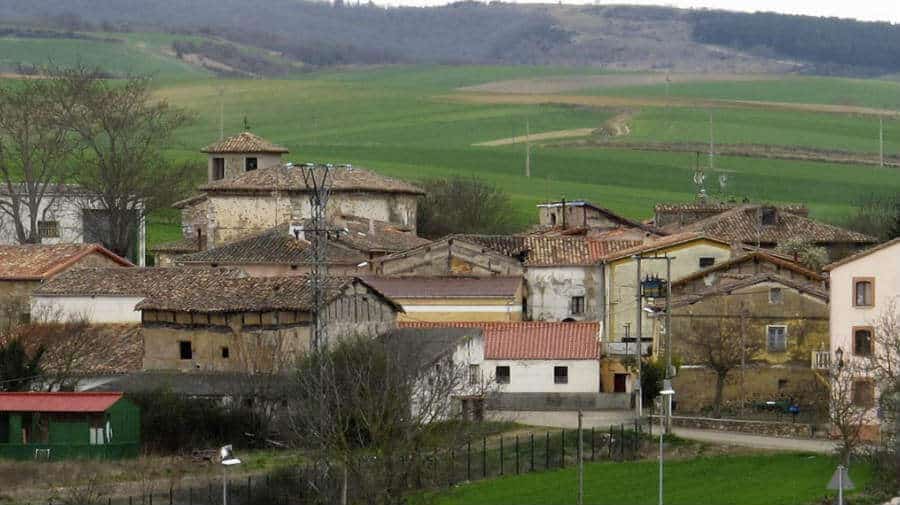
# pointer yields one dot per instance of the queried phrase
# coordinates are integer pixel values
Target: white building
(68, 215)
(865, 288)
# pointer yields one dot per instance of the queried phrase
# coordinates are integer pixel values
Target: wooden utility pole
(712, 148)
(881, 141)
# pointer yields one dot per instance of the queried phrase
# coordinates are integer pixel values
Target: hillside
(612, 37)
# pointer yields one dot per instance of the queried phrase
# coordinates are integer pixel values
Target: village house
(758, 225)
(580, 217)
(534, 366)
(24, 268)
(865, 310)
(454, 298)
(68, 215)
(288, 249)
(253, 324)
(247, 193)
(103, 295)
(780, 305)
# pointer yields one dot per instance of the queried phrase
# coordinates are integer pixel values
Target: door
(620, 380)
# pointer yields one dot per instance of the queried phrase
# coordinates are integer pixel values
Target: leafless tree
(33, 153)
(71, 347)
(720, 345)
(847, 412)
(885, 357)
(368, 408)
(121, 131)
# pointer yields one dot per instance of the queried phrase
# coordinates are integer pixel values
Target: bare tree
(720, 345)
(121, 130)
(33, 152)
(368, 408)
(847, 411)
(463, 205)
(884, 360)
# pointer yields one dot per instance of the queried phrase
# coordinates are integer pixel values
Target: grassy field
(776, 479)
(402, 121)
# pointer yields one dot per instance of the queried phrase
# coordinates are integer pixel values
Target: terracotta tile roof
(184, 245)
(756, 255)
(538, 251)
(385, 238)
(742, 224)
(42, 261)
(257, 294)
(85, 350)
(446, 287)
(854, 257)
(290, 178)
(57, 402)
(532, 340)
(660, 243)
(245, 142)
(132, 281)
(727, 288)
(274, 246)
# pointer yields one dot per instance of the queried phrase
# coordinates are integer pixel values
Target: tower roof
(245, 142)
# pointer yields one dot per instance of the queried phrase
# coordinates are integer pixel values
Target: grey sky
(869, 10)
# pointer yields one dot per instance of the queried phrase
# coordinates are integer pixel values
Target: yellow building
(454, 298)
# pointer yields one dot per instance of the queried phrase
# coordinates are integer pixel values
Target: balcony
(820, 360)
(626, 348)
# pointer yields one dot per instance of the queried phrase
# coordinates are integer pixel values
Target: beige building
(253, 324)
(23, 268)
(454, 298)
(865, 310)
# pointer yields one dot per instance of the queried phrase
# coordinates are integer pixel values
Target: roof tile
(290, 178)
(245, 142)
(41, 261)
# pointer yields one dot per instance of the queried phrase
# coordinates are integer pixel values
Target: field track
(575, 83)
(625, 102)
(534, 137)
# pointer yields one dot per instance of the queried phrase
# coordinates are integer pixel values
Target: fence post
(593, 445)
(190, 495)
(562, 460)
(609, 443)
(450, 472)
(484, 457)
(249, 488)
(468, 460)
(517, 454)
(532, 452)
(151, 497)
(501, 454)
(129, 501)
(622, 441)
(547, 452)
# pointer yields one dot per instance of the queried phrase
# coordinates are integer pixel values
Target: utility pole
(316, 178)
(580, 460)
(668, 407)
(221, 112)
(527, 150)
(881, 140)
(712, 143)
(638, 401)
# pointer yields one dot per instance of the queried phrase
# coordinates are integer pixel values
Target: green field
(403, 121)
(776, 479)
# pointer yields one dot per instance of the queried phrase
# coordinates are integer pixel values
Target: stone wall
(765, 428)
(557, 401)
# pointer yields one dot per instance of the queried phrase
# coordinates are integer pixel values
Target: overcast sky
(869, 10)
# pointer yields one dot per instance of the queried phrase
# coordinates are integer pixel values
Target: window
(553, 219)
(863, 292)
(577, 305)
(250, 164)
(776, 338)
(48, 229)
(560, 375)
(775, 295)
(226, 352)
(768, 216)
(184, 349)
(707, 262)
(862, 341)
(474, 374)
(864, 393)
(782, 384)
(502, 374)
(218, 168)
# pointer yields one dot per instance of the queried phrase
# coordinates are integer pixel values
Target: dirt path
(579, 82)
(635, 102)
(554, 135)
(757, 441)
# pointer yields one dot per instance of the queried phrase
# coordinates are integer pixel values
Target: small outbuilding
(54, 426)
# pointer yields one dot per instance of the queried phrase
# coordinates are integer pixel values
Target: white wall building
(864, 288)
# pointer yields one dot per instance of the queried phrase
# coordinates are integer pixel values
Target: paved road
(605, 418)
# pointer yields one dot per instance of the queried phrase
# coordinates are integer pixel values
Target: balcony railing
(820, 360)
(626, 348)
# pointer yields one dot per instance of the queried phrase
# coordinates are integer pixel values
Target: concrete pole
(881, 141)
(638, 401)
(668, 376)
(580, 460)
(661, 466)
(224, 485)
(528, 150)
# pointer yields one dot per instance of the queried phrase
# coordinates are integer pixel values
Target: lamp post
(839, 356)
(226, 457)
(667, 394)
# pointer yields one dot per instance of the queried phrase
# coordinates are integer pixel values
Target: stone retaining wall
(766, 428)
(558, 401)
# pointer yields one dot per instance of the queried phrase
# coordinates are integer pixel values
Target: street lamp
(839, 356)
(667, 394)
(226, 457)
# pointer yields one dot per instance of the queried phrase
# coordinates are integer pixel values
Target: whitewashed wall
(96, 309)
(536, 376)
(550, 291)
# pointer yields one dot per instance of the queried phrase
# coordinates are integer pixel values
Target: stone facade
(236, 164)
(765, 428)
(449, 257)
(565, 293)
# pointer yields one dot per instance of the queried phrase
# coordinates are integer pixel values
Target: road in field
(579, 82)
(534, 137)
